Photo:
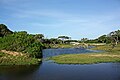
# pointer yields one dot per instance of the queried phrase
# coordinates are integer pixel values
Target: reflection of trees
(18, 71)
(116, 67)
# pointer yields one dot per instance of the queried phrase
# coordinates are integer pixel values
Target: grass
(7, 59)
(107, 47)
(90, 58)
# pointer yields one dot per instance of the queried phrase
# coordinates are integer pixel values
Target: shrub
(22, 42)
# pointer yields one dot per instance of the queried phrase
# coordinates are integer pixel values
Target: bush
(4, 30)
(22, 42)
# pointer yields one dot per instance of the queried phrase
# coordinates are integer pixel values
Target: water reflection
(116, 66)
(102, 71)
(55, 52)
(51, 71)
(15, 72)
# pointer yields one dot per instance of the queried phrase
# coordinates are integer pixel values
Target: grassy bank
(107, 48)
(8, 59)
(20, 48)
(76, 46)
(108, 56)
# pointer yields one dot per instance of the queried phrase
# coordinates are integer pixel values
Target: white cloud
(77, 23)
(72, 21)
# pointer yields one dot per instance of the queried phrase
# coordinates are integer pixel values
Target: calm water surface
(55, 52)
(48, 70)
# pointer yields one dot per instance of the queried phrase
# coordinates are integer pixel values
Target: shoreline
(90, 58)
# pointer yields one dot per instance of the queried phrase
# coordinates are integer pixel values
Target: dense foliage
(112, 37)
(4, 30)
(33, 44)
(22, 42)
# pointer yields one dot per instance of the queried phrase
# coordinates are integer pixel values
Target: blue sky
(75, 18)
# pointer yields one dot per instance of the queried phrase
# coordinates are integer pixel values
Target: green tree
(55, 41)
(102, 39)
(4, 30)
(39, 36)
(63, 38)
(22, 42)
(115, 37)
(84, 40)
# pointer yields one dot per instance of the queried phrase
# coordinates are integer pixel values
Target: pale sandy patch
(12, 53)
(105, 55)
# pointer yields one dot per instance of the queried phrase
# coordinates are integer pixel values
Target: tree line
(33, 44)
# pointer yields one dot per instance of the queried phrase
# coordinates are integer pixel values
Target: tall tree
(115, 37)
(63, 38)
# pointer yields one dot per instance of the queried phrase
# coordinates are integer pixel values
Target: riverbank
(16, 58)
(63, 46)
(85, 45)
(110, 55)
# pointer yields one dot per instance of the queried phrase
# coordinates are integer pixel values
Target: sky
(74, 18)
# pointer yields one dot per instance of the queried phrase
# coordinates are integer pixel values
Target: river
(48, 70)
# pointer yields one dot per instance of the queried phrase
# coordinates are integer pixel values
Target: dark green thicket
(21, 42)
(4, 30)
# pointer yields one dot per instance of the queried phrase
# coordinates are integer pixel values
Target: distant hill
(4, 30)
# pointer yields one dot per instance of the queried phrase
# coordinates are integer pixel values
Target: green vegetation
(108, 48)
(66, 42)
(68, 45)
(32, 45)
(4, 30)
(63, 46)
(108, 56)
(22, 42)
(28, 44)
(7, 59)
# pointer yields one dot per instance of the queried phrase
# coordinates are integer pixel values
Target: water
(48, 70)
(55, 52)
(103, 71)
(52, 71)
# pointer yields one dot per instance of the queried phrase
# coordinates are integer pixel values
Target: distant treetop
(65, 37)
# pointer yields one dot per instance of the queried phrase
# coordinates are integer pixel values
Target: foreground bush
(7, 59)
(22, 42)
